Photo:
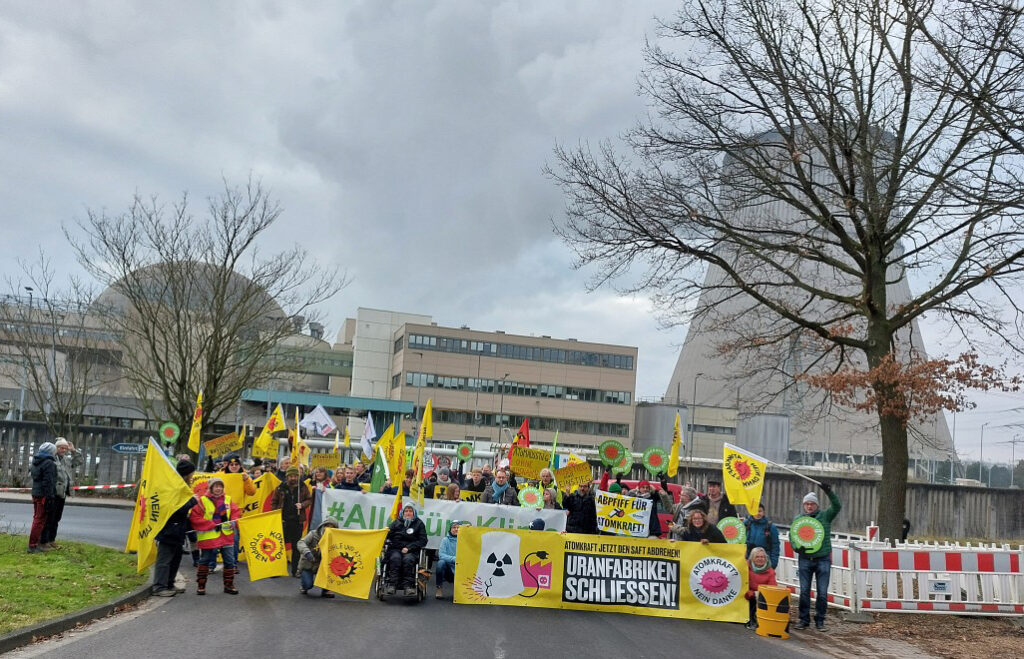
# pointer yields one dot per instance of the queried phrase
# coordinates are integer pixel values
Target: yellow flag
(575, 459)
(260, 501)
(347, 560)
(348, 439)
(197, 425)
(396, 482)
(337, 434)
(163, 492)
(673, 454)
(392, 446)
(426, 424)
(743, 476)
(132, 544)
(265, 445)
(262, 540)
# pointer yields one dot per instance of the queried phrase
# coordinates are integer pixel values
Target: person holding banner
(234, 466)
(388, 488)
(761, 573)
(406, 537)
(699, 529)
(550, 498)
(582, 509)
(452, 493)
(444, 569)
(475, 482)
(816, 564)
(500, 491)
(292, 499)
(213, 518)
(645, 491)
(309, 548)
(170, 541)
(348, 480)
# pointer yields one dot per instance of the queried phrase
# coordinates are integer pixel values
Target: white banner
(622, 514)
(361, 510)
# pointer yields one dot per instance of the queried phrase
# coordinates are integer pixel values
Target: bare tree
(805, 157)
(57, 352)
(199, 305)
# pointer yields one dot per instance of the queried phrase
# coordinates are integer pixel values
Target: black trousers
(54, 511)
(168, 560)
(402, 568)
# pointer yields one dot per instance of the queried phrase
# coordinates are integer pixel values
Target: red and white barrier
(76, 487)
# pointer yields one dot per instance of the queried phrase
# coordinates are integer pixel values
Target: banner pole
(797, 473)
(755, 455)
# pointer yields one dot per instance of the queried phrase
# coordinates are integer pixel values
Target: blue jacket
(762, 533)
(446, 552)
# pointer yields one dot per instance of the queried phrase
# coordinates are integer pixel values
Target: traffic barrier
(76, 487)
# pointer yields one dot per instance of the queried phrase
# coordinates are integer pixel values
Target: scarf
(767, 564)
(499, 490)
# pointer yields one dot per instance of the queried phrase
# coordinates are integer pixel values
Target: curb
(27, 635)
(78, 501)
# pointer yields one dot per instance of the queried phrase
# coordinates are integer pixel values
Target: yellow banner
(326, 460)
(347, 560)
(224, 444)
(743, 476)
(262, 540)
(469, 495)
(572, 476)
(233, 486)
(527, 462)
(162, 492)
(260, 502)
(600, 573)
(622, 514)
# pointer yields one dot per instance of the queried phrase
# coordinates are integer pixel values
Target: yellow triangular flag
(164, 492)
(265, 445)
(261, 537)
(197, 425)
(397, 477)
(346, 560)
(347, 438)
(337, 434)
(743, 476)
(673, 454)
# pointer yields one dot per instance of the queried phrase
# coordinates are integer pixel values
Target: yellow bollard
(773, 611)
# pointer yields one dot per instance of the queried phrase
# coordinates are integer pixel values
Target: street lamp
(981, 453)
(501, 408)
(24, 381)
(693, 414)
(419, 413)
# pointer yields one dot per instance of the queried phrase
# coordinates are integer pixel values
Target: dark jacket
(763, 533)
(354, 486)
(311, 543)
(707, 532)
(284, 499)
(582, 510)
(725, 509)
(177, 526)
(44, 476)
(469, 485)
(507, 498)
(414, 536)
(394, 490)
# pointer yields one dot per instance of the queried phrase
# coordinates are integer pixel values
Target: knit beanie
(47, 448)
(185, 468)
(811, 497)
(290, 471)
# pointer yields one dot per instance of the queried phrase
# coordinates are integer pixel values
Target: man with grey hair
(67, 460)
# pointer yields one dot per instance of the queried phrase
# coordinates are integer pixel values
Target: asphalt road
(100, 526)
(271, 619)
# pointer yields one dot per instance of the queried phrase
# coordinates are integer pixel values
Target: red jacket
(755, 579)
(200, 523)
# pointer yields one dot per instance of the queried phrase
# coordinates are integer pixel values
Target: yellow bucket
(773, 611)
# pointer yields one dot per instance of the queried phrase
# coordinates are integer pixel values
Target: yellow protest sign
(347, 560)
(262, 540)
(573, 475)
(743, 476)
(162, 493)
(326, 460)
(223, 445)
(440, 491)
(601, 573)
(527, 462)
(260, 502)
(622, 514)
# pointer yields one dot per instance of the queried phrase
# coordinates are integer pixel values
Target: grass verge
(38, 587)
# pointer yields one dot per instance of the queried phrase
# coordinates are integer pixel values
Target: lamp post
(419, 413)
(981, 453)
(24, 380)
(501, 408)
(693, 414)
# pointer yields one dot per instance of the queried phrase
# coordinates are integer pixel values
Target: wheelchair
(422, 579)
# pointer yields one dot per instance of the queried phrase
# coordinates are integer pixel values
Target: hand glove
(827, 488)
(217, 528)
(309, 556)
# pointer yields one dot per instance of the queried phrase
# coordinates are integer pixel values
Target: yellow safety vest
(208, 510)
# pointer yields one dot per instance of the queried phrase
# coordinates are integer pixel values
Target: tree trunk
(892, 491)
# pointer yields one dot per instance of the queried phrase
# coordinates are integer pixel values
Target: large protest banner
(601, 573)
(224, 444)
(572, 476)
(361, 510)
(527, 462)
(621, 514)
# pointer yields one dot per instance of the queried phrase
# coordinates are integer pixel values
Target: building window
(512, 351)
(399, 344)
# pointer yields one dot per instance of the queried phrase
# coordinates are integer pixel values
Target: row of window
(511, 388)
(578, 426)
(514, 351)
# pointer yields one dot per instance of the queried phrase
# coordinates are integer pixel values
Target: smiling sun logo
(715, 581)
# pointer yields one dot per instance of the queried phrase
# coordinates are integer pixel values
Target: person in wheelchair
(406, 537)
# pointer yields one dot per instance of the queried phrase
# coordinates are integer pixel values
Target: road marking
(499, 652)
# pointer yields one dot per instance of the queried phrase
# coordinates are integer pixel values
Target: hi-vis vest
(208, 510)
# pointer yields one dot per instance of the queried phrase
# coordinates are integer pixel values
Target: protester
(348, 480)
(817, 565)
(667, 503)
(452, 493)
(475, 482)
(362, 475)
(283, 467)
(292, 499)
(170, 541)
(407, 536)
(234, 466)
(547, 482)
(213, 518)
(582, 517)
(443, 478)
(309, 548)
(444, 569)
(761, 573)
(699, 528)
(761, 532)
(388, 488)
(644, 490)
(500, 491)
(44, 490)
(718, 503)
(487, 474)
(67, 459)
(688, 499)
(551, 499)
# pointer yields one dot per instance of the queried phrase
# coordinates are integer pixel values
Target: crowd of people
(206, 526)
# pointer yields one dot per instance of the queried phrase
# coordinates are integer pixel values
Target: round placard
(734, 530)
(655, 460)
(611, 452)
(624, 465)
(169, 432)
(464, 452)
(806, 533)
(531, 497)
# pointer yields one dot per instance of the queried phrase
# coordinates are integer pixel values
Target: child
(761, 574)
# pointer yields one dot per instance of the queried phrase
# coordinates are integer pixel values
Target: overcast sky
(405, 141)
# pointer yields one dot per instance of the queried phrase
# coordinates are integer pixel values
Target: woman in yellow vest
(213, 519)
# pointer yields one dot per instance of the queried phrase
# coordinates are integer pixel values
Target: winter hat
(537, 525)
(61, 442)
(47, 449)
(291, 470)
(615, 488)
(444, 471)
(714, 481)
(233, 458)
(185, 468)
(811, 497)
(643, 484)
(213, 481)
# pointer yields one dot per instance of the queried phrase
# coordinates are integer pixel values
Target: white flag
(369, 432)
(319, 422)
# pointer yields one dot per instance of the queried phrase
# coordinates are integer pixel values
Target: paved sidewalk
(96, 502)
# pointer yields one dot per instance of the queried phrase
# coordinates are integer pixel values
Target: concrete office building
(484, 382)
